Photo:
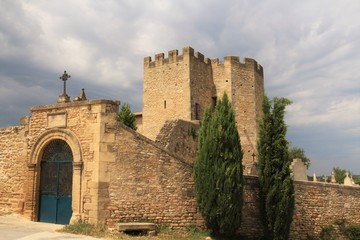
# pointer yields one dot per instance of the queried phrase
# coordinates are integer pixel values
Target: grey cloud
(309, 51)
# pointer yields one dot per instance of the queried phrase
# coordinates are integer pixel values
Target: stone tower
(182, 86)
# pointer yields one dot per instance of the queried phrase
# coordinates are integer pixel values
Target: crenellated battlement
(188, 52)
(247, 63)
(173, 57)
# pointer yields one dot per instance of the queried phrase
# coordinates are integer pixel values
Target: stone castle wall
(182, 86)
(247, 95)
(166, 93)
(202, 88)
(12, 168)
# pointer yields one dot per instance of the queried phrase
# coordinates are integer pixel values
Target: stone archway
(56, 172)
(36, 155)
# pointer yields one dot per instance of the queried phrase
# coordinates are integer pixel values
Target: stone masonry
(12, 168)
(120, 175)
(183, 86)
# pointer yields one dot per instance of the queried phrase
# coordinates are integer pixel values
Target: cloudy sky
(310, 51)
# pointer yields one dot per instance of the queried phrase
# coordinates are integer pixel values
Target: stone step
(149, 228)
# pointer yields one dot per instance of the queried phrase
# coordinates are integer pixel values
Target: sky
(310, 52)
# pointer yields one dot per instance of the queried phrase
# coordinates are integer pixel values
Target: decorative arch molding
(64, 134)
(34, 163)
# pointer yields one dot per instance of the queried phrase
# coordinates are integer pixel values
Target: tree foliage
(126, 116)
(295, 152)
(340, 175)
(218, 172)
(276, 184)
(357, 180)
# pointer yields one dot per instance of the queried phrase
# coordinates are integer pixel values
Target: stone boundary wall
(12, 168)
(158, 187)
(149, 183)
(319, 204)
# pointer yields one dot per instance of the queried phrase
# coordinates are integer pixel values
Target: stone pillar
(76, 192)
(31, 196)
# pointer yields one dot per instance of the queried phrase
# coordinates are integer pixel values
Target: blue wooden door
(56, 183)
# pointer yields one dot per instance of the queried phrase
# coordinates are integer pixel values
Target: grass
(165, 233)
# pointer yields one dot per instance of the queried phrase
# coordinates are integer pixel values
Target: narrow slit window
(214, 100)
(164, 104)
(197, 111)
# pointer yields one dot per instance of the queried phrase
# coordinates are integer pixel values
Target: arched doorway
(56, 183)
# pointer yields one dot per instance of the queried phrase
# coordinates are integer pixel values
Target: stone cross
(65, 77)
(64, 97)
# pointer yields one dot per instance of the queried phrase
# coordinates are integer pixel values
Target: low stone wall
(12, 168)
(319, 204)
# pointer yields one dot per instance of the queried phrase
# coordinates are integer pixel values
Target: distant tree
(357, 180)
(340, 174)
(218, 172)
(276, 184)
(295, 152)
(127, 117)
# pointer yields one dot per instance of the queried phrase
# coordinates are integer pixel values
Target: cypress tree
(218, 170)
(276, 185)
(126, 116)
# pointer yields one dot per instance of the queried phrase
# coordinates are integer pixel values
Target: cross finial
(64, 97)
(65, 77)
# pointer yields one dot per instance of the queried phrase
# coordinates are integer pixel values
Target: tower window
(214, 100)
(197, 111)
(164, 104)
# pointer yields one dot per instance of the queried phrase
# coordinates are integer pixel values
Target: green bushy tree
(357, 180)
(126, 116)
(276, 184)
(340, 174)
(218, 172)
(295, 152)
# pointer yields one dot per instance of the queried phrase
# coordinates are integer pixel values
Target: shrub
(327, 232)
(353, 232)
